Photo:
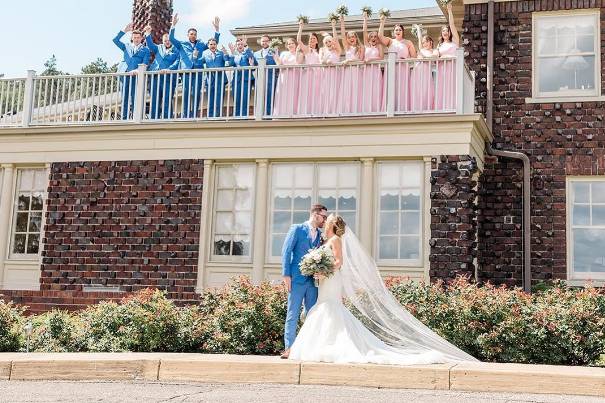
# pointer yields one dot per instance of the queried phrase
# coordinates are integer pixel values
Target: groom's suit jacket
(297, 244)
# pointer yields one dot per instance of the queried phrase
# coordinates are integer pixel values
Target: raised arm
(117, 40)
(366, 41)
(343, 33)
(175, 42)
(149, 40)
(335, 37)
(216, 24)
(450, 16)
(304, 48)
(386, 41)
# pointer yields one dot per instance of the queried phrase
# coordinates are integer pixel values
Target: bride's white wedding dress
(331, 333)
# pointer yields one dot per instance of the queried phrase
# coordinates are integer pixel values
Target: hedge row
(558, 325)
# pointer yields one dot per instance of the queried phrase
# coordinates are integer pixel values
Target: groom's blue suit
(297, 244)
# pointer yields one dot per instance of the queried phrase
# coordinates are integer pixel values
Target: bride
(386, 333)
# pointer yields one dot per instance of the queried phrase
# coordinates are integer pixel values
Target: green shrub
(243, 318)
(144, 321)
(54, 331)
(11, 321)
(558, 325)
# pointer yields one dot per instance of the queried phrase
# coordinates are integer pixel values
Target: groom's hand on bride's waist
(288, 283)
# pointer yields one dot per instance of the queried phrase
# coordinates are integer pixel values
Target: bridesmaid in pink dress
(449, 42)
(373, 81)
(404, 50)
(310, 79)
(287, 88)
(350, 98)
(329, 55)
(423, 84)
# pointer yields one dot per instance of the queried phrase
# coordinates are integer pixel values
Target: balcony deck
(245, 93)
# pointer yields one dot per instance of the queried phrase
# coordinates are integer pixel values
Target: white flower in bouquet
(318, 261)
(342, 10)
(384, 12)
(366, 10)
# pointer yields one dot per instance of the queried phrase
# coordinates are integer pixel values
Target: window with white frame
(28, 212)
(296, 187)
(587, 222)
(566, 54)
(399, 221)
(233, 212)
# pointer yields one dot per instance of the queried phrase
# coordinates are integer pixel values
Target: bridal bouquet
(384, 12)
(317, 261)
(366, 10)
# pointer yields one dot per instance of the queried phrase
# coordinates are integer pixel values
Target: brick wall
(560, 139)
(453, 217)
(126, 224)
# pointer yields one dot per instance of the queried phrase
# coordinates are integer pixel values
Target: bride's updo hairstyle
(339, 224)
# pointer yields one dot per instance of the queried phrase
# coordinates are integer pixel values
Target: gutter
(509, 154)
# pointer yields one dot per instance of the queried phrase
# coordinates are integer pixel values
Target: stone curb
(478, 377)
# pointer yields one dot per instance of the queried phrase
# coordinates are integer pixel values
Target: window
(233, 212)
(27, 220)
(566, 54)
(587, 216)
(399, 212)
(295, 187)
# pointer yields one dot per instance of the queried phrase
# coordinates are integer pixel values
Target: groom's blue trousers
(299, 292)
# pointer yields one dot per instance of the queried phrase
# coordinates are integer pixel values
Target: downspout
(509, 154)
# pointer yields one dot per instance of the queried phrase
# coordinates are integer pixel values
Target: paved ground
(80, 392)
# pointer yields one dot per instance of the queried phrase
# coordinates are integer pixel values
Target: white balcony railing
(383, 88)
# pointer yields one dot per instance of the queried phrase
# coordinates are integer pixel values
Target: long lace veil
(380, 312)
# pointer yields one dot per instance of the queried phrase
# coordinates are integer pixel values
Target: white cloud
(203, 11)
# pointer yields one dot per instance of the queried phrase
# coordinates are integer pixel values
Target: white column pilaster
(366, 202)
(6, 201)
(260, 221)
(426, 218)
(205, 224)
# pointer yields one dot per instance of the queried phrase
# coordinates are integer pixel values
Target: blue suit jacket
(132, 57)
(186, 49)
(165, 59)
(244, 59)
(219, 60)
(269, 58)
(297, 244)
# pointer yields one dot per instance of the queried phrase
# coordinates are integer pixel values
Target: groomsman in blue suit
(191, 52)
(299, 240)
(241, 56)
(269, 55)
(163, 85)
(135, 53)
(215, 80)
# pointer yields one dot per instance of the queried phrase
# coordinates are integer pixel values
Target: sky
(79, 31)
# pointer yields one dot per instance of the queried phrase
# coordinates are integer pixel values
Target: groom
(299, 240)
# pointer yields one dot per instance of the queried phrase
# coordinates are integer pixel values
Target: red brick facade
(561, 139)
(453, 217)
(126, 224)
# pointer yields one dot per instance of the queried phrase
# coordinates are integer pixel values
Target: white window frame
(562, 96)
(399, 262)
(15, 210)
(571, 274)
(215, 188)
(314, 196)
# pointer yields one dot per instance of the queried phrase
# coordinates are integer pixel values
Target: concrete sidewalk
(166, 367)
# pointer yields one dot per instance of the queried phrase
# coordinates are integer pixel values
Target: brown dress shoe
(285, 354)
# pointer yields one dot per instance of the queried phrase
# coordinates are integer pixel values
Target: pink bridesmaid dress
(310, 87)
(445, 97)
(422, 95)
(287, 88)
(373, 83)
(349, 100)
(402, 76)
(331, 80)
